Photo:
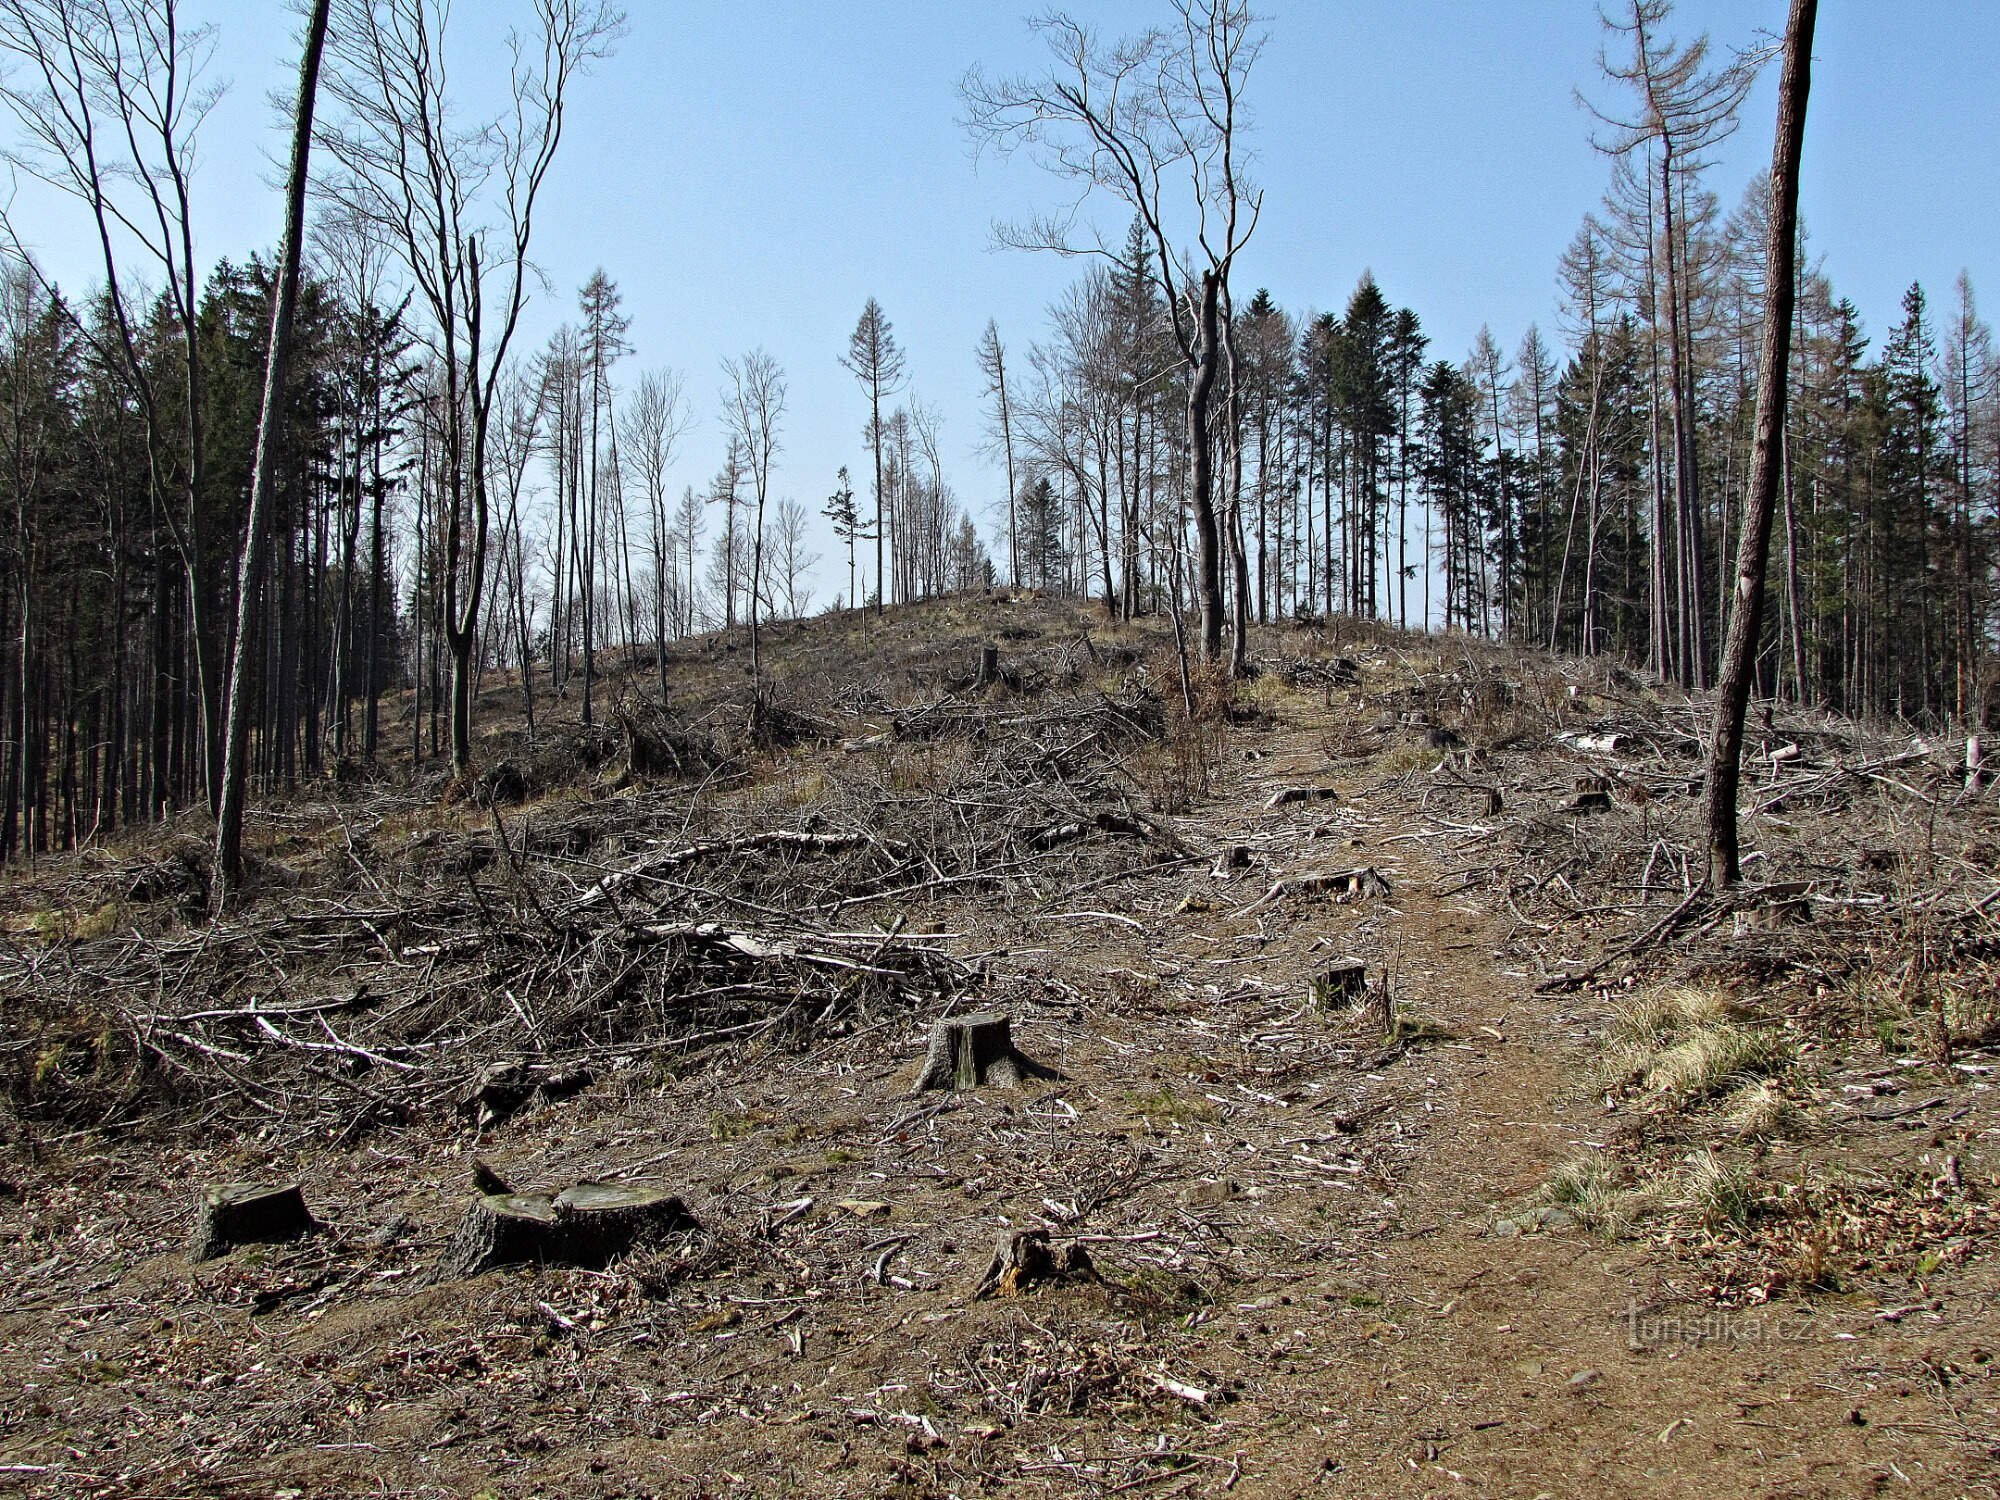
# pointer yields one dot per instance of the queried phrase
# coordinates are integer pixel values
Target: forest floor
(1604, 1185)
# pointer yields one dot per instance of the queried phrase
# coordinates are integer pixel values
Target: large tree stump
(989, 665)
(245, 1213)
(1022, 1257)
(586, 1225)
(967, 1051)
(501, 1229)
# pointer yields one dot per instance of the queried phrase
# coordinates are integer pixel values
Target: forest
(1578, 488)
(1313, 911)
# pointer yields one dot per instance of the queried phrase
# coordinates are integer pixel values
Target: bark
(229, 817)
(1767, 454)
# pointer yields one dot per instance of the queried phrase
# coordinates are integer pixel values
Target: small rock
(1505, 1229)
(1583, 1379)
(864, 1208)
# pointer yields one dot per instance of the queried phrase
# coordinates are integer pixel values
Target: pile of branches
(498, 955)
(327, 1019)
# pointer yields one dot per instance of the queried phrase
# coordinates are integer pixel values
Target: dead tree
(249, 580)
(457, 200)
(1129, 119)
(1739, 660)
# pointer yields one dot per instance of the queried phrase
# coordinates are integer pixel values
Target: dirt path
(1550, 1362)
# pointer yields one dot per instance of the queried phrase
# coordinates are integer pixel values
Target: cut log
(1593, 744)
(968, 1051)
(1340, 985)
(1023, 1257)
(585, 1225)
(246, 1213)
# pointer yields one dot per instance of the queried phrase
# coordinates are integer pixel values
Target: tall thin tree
(1739, 657)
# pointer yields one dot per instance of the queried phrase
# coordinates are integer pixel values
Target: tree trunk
(1201, 456)
(1767, 455)
(229, 819)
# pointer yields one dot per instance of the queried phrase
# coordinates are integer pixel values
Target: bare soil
(1325, 1261)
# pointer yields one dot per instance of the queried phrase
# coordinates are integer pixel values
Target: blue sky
(750, 173)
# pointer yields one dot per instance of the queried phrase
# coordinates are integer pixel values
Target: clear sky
(750, 173)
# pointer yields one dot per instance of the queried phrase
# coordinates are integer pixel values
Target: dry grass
(1700, 1064)
(1687, 1044)
(1757, 1111)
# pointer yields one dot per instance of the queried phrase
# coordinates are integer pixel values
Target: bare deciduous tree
(655, 420)
(1154, 121)
(753, 402)
(457, 200)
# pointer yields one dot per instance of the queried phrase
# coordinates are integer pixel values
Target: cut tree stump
(246, 1213)
(1292, 794)
(1357, 884)
(502, 1228)
(1341, 984)
(968, 1051)
(600, 1220)
(585, 1225)
(1023, 1257)
(989, 665)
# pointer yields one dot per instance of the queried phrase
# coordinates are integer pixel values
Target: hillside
(1593, 1184)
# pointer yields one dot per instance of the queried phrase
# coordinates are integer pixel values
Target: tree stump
(586, 1225)
(1341, 984)
(1287, 796)
(244, 1213)
(989, 665)
(1022, 1257)
(502, 1228)
(967, 1051)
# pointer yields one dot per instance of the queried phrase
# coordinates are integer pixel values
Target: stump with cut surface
(967, 1051)
(585, 1225)
(245, 1213)
(1341, 984)
(989, 665)
(1023, 1257)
